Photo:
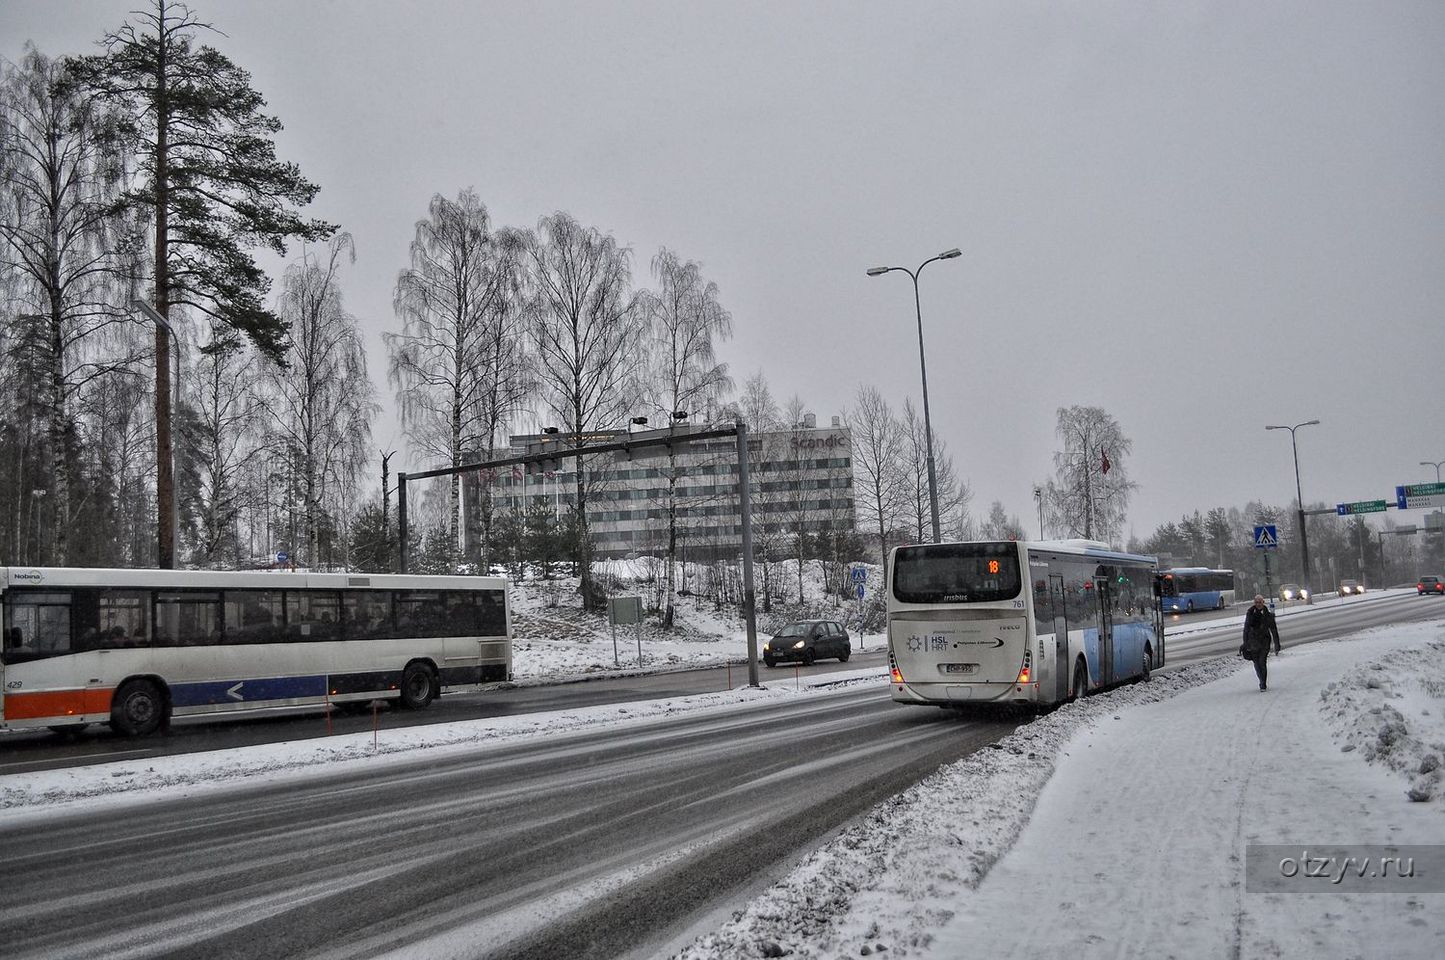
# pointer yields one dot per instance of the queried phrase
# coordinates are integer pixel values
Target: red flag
(1104, 466)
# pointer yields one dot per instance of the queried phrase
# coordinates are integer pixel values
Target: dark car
(1429, 585)
(806, 641)
(1351, 588)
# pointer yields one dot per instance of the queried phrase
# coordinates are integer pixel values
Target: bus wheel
(138, 709)
(418, 686)
(1190, 607)
(1148, 665)
(1081, 681)
(68, 729)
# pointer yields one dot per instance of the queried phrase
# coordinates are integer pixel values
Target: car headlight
(1304, 594)
(800, 644)
(767, 644)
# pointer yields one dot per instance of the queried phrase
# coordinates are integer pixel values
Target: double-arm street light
(1304, 537)
(1433, 463)
(923, 368)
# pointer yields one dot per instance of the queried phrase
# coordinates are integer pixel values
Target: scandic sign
(828, 442)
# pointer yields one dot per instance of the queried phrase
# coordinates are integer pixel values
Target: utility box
(624, 610)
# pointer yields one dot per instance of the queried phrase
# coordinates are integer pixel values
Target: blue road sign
(1266, 537)
(281, 558)
(861, 591)
(859, 574)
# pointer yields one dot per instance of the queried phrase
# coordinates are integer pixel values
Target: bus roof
(1078, 547)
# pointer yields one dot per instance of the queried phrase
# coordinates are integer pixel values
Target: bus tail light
(893, 668)
(1024, 670)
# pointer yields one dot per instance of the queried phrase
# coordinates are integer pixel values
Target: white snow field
(1117, 826)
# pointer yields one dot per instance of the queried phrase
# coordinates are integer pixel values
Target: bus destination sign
(1360, 506)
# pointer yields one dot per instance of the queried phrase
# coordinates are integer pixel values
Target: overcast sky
(1202, 217)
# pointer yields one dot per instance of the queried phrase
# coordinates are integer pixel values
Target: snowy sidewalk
(1137, 843)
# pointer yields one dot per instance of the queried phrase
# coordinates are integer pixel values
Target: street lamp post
(1433, 463)
(923, 368)
(1304, 537)
(150, 313)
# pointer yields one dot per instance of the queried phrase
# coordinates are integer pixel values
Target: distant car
(1293, 591)
(1429, 585)
(1351, 588)
(806, 641)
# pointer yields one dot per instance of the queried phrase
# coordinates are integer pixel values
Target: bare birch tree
(879, 448)
(1090, 490)
(760, 412)
(954, 495)
(322, 402)
(60, 176)
(587, 328)
(459, 366)
(684, 317)
(223, 431)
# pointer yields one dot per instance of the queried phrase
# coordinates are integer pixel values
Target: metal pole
(749, 599)
(1300, 500)
(1304, 535)
(401, 521)
(923, 369)
(927, 420)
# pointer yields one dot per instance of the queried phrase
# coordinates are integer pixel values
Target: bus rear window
(956, 573)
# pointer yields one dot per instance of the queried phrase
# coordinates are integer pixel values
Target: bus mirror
(1158, 585)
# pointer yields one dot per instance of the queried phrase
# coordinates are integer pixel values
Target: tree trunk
(165, 481)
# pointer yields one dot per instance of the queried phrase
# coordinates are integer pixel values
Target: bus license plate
(960, 667)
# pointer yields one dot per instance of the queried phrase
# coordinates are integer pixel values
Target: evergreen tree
(211, 184)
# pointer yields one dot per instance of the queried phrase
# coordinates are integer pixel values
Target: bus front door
(1063, 670)
(1103, 594)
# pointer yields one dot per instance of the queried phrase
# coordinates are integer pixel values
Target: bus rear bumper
(945, 694)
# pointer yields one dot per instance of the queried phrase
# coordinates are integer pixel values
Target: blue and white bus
(134, 648)
(1186, 589)
(1013, 622)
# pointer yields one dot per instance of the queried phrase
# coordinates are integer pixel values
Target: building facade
(802, 480)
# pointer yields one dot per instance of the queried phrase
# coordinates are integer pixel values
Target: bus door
(1063, 670)
(1104, 595)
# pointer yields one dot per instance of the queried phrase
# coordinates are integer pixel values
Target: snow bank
(1392, 711)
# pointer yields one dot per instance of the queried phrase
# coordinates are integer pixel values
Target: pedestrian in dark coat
(1259, 631)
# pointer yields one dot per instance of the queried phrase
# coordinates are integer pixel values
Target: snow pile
(1392, 710)
(878, 884)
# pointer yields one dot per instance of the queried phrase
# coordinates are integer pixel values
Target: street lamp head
(680, 414)
(549, 430)
(1310, 423)
(640, 421)
(878, 271)
(950, 254)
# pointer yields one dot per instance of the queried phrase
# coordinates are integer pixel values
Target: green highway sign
(1360, 506)
(1413, 496)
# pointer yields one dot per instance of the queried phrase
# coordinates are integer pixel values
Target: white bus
(1013, 622)
(136, 647)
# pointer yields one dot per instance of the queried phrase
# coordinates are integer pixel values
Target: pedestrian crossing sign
(1266, 537)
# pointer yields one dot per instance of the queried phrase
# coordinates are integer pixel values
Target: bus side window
(39, 626)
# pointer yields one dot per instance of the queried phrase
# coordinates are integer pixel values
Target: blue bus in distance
(1186, 589)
